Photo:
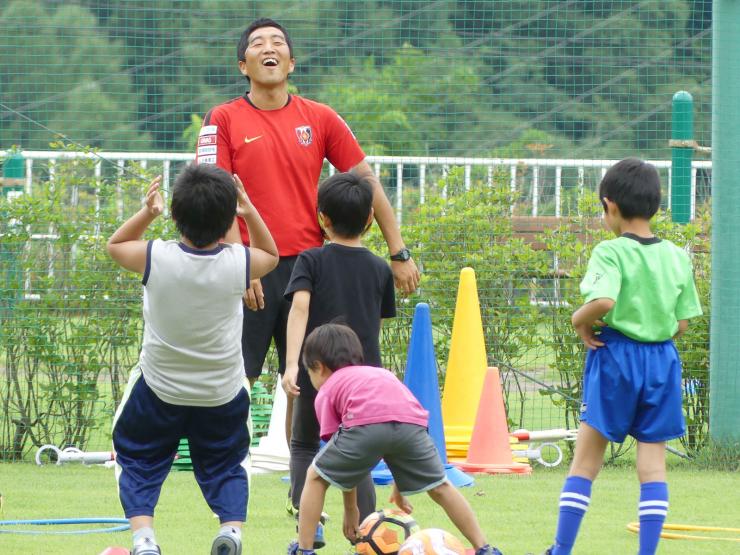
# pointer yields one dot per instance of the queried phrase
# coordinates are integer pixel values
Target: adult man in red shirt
(276, 142)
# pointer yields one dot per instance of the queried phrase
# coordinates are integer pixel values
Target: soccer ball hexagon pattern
(383, 532)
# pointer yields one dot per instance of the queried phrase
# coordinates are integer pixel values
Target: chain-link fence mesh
(490, 123)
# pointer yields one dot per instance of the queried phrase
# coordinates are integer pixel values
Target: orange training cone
(490, 451)
(466, 368)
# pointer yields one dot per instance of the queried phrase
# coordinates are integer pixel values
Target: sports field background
(518, 513)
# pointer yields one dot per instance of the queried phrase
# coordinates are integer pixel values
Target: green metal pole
(13, 166)
(682, 151)
(725, 312)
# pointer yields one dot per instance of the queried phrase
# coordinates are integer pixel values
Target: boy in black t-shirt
(341, 280)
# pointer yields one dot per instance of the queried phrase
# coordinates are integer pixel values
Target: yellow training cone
(466, 368)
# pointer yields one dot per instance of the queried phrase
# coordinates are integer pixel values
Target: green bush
(474, 228)
(570, 244)
(70, 319)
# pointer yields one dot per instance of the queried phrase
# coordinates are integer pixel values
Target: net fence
(489, 122)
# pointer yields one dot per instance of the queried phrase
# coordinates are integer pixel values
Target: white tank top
(191, 354)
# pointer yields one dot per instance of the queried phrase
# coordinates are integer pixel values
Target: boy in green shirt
(640, 291)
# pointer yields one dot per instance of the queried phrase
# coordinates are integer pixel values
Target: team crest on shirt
(304, 134)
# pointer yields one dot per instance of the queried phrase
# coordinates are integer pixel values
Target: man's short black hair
(347, 200)
(334, 345)
(258, 24)
(203, 203)
(634, 186)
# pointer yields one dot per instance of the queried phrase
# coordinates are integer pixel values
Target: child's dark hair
(334, 345)
(634, 186)
(203, 203)
(347, 200)
(258, 24)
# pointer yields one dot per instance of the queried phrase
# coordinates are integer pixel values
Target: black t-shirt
(349, 284)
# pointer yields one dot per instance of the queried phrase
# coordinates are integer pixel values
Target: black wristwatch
(401, 256)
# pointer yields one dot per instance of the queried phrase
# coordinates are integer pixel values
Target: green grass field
(518, 513)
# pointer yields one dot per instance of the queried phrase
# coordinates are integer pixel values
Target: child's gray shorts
(407, 449)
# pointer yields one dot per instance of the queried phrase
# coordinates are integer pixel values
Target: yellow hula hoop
(635, 528)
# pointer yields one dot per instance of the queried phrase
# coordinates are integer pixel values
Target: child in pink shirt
(369, 414)
(362, 395)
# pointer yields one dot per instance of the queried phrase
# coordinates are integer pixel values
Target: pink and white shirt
(362, 395)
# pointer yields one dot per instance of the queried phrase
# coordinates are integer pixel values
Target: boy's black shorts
(407, 449)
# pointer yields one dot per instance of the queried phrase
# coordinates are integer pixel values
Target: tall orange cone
(466, 368)
(490, 451)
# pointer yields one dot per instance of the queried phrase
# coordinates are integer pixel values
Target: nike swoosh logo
(248, 140)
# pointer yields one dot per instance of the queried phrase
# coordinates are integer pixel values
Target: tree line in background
(559, 78)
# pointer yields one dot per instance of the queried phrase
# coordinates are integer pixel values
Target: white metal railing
(532, 175)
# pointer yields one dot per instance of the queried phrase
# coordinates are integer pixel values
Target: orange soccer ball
(432, 541)
(383, 532)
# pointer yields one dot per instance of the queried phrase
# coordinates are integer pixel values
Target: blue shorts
(146, 433)
(633, 388)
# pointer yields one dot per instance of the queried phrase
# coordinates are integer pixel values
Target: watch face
(401, 256)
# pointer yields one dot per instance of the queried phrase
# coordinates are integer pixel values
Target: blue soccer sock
(574, 501)
(652, 510)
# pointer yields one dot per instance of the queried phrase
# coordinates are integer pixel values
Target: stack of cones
(490, 448)
(182, 458)
(260, 411)
(466, 369)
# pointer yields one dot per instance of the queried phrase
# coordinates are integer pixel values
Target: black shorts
(262, 326)
(407, 449)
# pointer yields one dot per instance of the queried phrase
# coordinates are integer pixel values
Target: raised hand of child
(154, 200)
(244, 206)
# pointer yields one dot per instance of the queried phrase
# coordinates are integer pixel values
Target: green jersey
(650, 281)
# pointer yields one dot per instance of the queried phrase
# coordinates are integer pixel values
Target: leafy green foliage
(570, 244)
(714, 455)
(694, 344)
(70, 318)
(474, 229)
(528, 289)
